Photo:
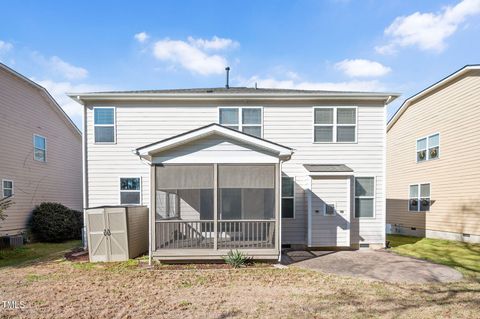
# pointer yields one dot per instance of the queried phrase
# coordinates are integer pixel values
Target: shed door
(97, 241)
(117, 233)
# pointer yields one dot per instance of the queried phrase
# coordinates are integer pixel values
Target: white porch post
(151, 242)
(278, 206)
(215, 206)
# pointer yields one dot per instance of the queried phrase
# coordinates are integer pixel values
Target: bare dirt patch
(64, 289)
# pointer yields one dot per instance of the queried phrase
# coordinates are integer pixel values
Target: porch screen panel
(246, 192)
(184, 192)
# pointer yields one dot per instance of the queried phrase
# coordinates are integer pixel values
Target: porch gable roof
(214, 129)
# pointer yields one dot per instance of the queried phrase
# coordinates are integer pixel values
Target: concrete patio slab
(378, 265)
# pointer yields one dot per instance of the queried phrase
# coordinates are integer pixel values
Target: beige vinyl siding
(454, 112)
(286, 123)
(24, 111)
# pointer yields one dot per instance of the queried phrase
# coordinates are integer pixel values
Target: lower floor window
(364, 197)
(7, 188)
(288, 201)
(419, 198)
(130, 190)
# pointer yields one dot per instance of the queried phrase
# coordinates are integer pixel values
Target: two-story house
(40, 151)
(433, 169)
(240, 168)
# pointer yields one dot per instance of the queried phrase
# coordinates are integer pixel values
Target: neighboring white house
(253, 169)
(40, 151)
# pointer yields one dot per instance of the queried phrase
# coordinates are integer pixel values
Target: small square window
(245, 119)
(7, 188)
(334, 124)
(130, 190)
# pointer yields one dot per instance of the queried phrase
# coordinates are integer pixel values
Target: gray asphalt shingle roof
(327, 168)
(231, 90)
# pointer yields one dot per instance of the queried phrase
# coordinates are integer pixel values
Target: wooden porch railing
(200, 234)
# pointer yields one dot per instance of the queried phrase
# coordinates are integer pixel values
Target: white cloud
(66, 69)
(270, 82)
(5, 46)
(190, 56)
(362, 68)
(428, 31)
(72, 108)
(141, 37)
(215, 43)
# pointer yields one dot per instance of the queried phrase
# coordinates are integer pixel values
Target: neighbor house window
(130, 190)
(428, 147)
(7, 188)
(364, 197)
(288, 197)
(39, 148)
(335, 125)
(104, 124)
(419, 198)
(245, 119)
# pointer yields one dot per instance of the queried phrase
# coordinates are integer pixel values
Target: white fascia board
(171, 143)
(82, 97)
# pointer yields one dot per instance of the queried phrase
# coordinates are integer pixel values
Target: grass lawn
(64, 289)
(36, 251)
(464, 257)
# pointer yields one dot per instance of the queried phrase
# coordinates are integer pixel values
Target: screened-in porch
(212, 190)
(215, 207)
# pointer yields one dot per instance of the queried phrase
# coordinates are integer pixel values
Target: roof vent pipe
(228, 73)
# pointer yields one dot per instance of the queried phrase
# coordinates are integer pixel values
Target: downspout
(84, 176)
(280, 212)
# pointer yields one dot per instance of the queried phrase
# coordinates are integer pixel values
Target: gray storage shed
(117, 233)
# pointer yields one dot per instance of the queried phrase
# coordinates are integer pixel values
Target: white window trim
(3, 189)
(419, 198)
(372, 197)
(334, 125)
(240, 114)
(34, 147)
(106, 125)
(129, 191)
(427, 148)
(288, 197)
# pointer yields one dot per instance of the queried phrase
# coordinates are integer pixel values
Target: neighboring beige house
(40, 151)
(238, 168)
(433, 160)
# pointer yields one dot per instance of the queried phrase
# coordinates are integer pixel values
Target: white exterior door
(330, 211)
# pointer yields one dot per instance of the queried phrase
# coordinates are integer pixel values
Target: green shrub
(236, 259)
(53, 222)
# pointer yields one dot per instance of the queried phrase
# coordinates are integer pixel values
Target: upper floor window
(364, 197)
(288, 197)
(245, 119)
(335, 125)
(7, 188)
(130, 191)
(428, 147)
(39, 148)
(419, 198)
(104, 124)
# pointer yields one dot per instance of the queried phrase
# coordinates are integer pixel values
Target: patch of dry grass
(57, 289)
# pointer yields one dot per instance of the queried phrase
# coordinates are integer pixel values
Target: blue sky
(397, 45)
